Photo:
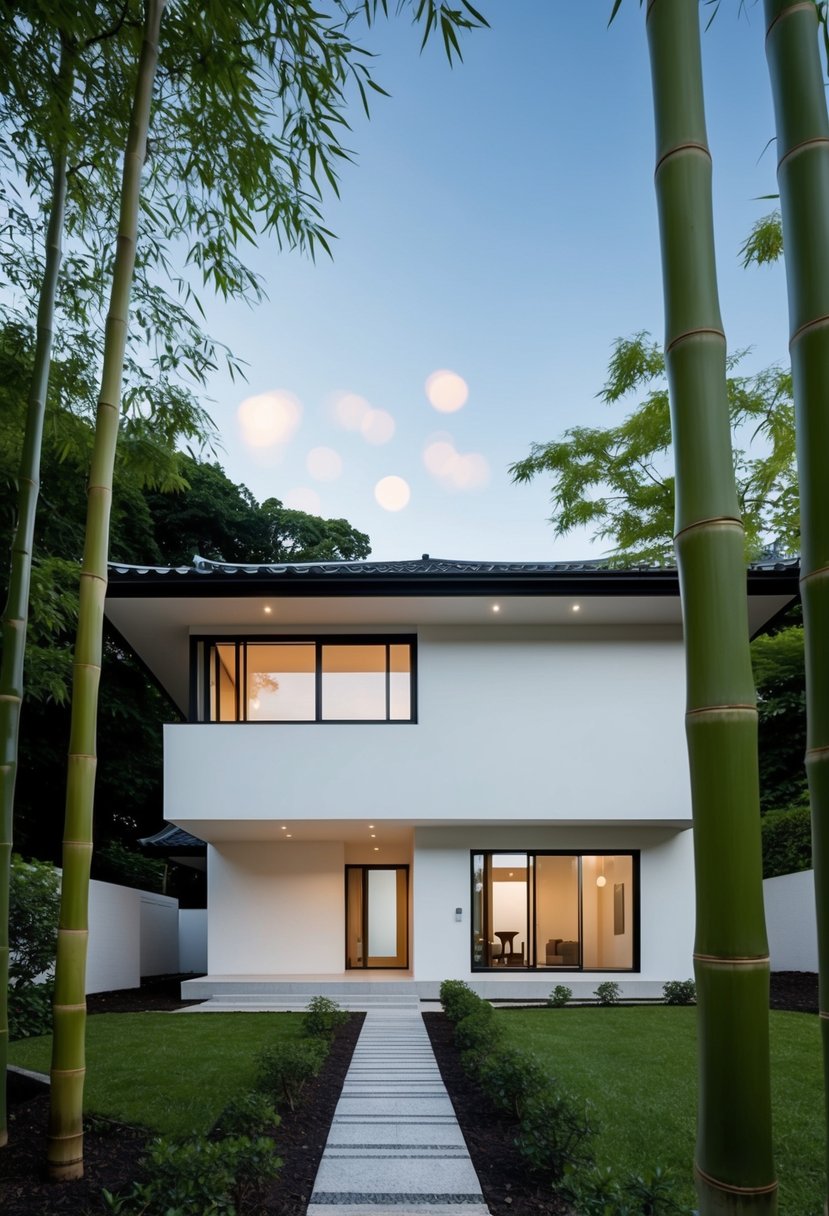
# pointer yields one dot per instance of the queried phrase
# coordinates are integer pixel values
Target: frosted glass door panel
(382, 913)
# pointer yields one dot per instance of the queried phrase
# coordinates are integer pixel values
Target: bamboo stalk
(802, 129)
(734, 1168)
(65, 1150)
(16, 610)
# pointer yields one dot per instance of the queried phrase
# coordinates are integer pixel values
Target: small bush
(30, 1010)
(679, 992)
(559, 997)
(787, 841)
(284, 1069)
(607, 993)
(554, 1133)
(600, 1192)
(510, 1079)
(251, 1115)
(323, 1018)
(477, 1031)
(458, 999)
(200, 1177)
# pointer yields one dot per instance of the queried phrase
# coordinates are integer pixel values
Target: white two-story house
(411, 771)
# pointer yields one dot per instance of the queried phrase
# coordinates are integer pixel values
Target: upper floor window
(304, 680)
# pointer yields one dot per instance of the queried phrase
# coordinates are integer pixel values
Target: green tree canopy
(617, 480)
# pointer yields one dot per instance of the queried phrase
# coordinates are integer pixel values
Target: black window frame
(203, 646)
(532, 944)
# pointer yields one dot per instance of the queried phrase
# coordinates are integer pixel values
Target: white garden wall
(131, 934)
(790, 921)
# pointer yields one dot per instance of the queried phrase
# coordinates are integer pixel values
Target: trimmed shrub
(679, 992)
(607, 993)
(510, 1079)
(559, 997)
(458, 999)
(323, 1018)
(284, 1069)
(554, 1133)
(477, 1031)
(199, 1177)
(600, 1192)
(787, 841)
(251, 1115)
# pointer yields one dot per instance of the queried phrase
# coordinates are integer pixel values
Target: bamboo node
(67, 1072)
(691, 146)
(694, 333)
(823, 1014)
(804, 6)
(731, 1189)
(803, 146)
(816, 322)
(722, 960)
(7, 696)
(817, 753)
(719, 709)
(730, 521)
(810, 574)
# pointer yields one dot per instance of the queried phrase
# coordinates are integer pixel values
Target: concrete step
(248, 1002)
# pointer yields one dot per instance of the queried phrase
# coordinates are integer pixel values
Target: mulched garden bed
(112, 1151)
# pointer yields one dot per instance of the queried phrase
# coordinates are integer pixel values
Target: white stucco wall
(159, 934)
(535, 724)
(192, 940)
(114, 957)
(442, 882)
(790, 921)
(276, 908)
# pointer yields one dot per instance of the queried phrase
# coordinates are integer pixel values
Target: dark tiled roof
(172, 840)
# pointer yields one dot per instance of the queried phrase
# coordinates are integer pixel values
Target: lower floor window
(565, 911)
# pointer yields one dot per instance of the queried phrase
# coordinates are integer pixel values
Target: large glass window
(303, 680)
(554, 911)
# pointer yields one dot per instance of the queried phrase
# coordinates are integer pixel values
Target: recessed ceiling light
(288, 837)
(371, 825)
(577, 607)
(284, 827)
(496, 607)
(377, 848)
(373, 835)
(268, 610)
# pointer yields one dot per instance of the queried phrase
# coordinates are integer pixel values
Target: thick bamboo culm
(802, 128)
(65, 1150)
(734, 1166)
(16, 612)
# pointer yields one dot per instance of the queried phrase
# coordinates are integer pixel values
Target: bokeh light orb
(324, 464)
(303, 498)
(392, 493)
(447, 391)
(350, 410)
(269, 418)
(377, 426)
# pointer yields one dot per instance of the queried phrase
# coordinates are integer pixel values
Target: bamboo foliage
(734, 1168)
(65, 1151)
(802, 129)
(16, 611)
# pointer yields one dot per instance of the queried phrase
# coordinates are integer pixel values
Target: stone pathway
(395, 1147)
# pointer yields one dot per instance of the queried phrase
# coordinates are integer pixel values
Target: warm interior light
(371, 825)
(376, 848)
(373, 835)
(601, 881)
(268, 609)
(284, 827)
(288, 837)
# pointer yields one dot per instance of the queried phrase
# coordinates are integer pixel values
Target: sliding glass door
(568, 911)
(376, 916)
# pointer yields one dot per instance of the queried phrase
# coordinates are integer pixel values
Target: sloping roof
(173, 840)
(424, 576)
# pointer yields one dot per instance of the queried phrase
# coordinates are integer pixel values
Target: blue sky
(499, 223)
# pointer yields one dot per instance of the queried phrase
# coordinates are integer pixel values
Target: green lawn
(171, 1072)
(637, 1066)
